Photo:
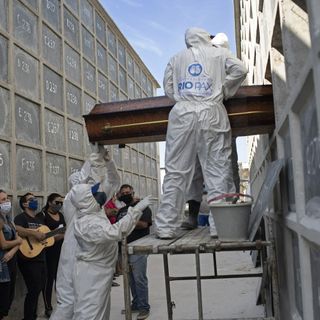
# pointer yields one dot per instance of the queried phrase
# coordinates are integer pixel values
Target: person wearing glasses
(33, 270)
(53, 219)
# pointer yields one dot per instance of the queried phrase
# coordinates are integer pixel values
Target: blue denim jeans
(139, 282)
(203, 220)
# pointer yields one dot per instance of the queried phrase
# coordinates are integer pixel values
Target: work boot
(192, 222)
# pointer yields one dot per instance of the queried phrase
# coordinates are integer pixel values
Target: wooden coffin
(144, 120)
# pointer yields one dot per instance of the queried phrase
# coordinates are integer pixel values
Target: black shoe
(48, 313)
(186, 225)
(143, 314)
(133, 310)
(115, 284)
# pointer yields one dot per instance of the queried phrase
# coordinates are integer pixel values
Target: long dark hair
(50, 198)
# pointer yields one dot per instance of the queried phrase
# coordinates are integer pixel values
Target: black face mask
(126, 198)
(100, 197)
(55, 208)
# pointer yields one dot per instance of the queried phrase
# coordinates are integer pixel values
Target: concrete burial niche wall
(29, 169)
(54, 131)
(25, 25)
(72, 64)
(27, 120)
(75, 138)
(51, 12)
(51, 47)
(71, 28)
(26, 73)
(3, 58)
(3, 14)
(53, 70)
(73, 100)
(5, 119)
(56, 172)
(5, 169)
(52, 87)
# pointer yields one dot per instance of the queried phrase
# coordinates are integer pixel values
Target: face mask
(33, 204)
(55, 208)
(126, 198)
(100, 197)
(5, 207)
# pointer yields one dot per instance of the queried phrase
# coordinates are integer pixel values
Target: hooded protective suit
(198, 79)
(97, 169)
(97, 252)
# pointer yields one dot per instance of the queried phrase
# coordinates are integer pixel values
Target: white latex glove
(145, 202)
(104, 152)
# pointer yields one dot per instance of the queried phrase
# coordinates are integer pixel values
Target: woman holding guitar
(54, 220)
(9, 245)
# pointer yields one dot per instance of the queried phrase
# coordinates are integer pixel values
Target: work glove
(145, 202)
(104, 152)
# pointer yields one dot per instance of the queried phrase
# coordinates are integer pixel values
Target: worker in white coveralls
(97, 250)
(198, 78)
(194, 195)
(98, 168)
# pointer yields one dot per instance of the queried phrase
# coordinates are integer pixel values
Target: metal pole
(125, 270)
(167, 283)
(199, 293)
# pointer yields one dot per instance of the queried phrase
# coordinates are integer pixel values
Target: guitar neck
(54, 232)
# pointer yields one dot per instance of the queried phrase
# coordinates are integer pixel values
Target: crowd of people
(95, 218)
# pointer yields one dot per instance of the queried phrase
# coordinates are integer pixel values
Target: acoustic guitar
(31, 247)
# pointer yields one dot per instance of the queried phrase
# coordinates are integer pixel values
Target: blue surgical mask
(33, 204)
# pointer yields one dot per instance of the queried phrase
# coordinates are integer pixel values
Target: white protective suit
(198, 79)
(196, 188)
(97, 252)
(96, 169)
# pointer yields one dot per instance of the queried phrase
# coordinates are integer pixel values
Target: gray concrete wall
(280, 44)
(58, 59)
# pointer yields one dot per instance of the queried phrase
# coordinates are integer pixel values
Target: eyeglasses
(58, 202)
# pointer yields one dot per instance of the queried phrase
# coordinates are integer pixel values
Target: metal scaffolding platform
(195, 242)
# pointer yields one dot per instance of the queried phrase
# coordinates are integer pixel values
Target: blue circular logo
(195, 69)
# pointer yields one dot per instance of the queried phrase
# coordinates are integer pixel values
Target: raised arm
(236, 73)
(168, 81)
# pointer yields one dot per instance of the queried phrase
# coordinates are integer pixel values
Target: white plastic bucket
(231, 220)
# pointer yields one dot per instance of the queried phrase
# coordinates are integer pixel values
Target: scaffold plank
(189, 241)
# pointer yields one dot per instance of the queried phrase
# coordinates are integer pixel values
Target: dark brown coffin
(250, 112)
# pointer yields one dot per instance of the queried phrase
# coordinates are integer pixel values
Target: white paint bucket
(231, 220)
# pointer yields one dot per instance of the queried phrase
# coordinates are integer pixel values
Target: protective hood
(79, 176)
(196, 37)
(83, 199)
(221, 40)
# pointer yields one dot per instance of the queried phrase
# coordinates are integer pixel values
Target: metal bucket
(231, 220)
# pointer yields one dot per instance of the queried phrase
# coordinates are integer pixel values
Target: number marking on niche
(1, 160)
(25, 115)
(49, 42)
(28, 165)
(51, 86)
(23, 23)
(54, 169)
(53, 127)
(23, 65)
(73, 135)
